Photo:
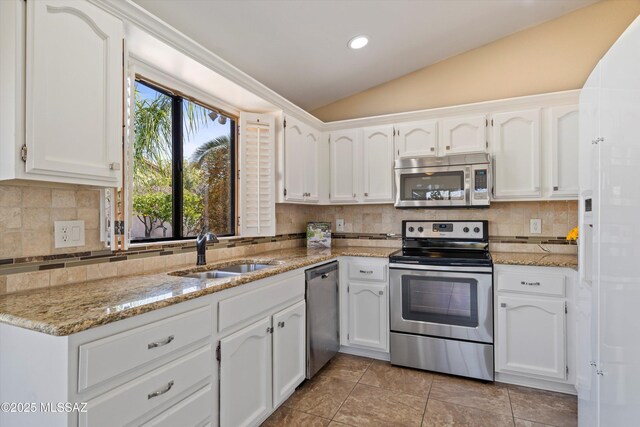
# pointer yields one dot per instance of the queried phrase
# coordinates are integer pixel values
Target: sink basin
(243, 268)
(212, 274)
(228, 271)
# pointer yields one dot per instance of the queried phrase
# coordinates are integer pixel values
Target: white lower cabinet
(535, 331)
(368, 312)
(364, 303)
(245, 375)
(289, 356)
(532, 336)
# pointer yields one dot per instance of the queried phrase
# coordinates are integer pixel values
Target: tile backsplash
(505, 218)
(27, 214)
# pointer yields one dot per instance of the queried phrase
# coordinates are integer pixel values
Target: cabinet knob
(115, 166)
(448, 147)
(380, 292)
(433, 148)
(503, 304)
(555, 188)
(281, 324)
(354, 195)
(366, 194)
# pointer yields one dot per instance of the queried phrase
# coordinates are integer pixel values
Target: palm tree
(212, 158)
(217, 146)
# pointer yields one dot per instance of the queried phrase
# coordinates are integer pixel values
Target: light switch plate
(68, 233)
(339, 224)
(535, 226)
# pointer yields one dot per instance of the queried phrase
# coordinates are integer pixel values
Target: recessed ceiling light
(358, 42)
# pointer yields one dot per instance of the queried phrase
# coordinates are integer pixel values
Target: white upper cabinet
(461, 135)
(295, 161)
(416, 139)
(73, 101)
(516, 154)
(377, 167)
(344, 167)
(301, 162)
(564, 151)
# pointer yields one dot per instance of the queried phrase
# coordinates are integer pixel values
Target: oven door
(433, 186)
(445, 304)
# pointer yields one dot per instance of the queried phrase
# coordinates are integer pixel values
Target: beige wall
(553, 56)
(505, 218)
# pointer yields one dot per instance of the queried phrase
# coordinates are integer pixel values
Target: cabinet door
(531, 336)
(343, 147)
(294, 161)
(516, 154)
(309, 162)
(289, 351)
(564, 151)
(245, 375)
(377, 167)
(460, 135)
(417, 139)
(74, 91)
(368, 315)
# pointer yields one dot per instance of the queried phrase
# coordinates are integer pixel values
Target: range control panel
(446, 229)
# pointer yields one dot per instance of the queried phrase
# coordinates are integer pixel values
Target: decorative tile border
(549, 240)
(50, 262)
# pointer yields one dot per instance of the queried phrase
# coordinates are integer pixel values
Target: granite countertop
(535, 259)
(68, 309)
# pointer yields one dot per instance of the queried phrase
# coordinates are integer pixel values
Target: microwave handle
(493, 179)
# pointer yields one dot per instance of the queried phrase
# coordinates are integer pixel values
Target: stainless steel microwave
(451, 181)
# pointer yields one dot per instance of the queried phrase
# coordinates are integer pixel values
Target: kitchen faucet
(201, 245)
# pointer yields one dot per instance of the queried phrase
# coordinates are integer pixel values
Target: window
(183, 167)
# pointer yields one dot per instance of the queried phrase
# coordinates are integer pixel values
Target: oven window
(432, 186)
(445, 300)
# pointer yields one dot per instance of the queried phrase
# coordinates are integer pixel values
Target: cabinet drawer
(532, 282)
(105, 358)
(136, 398)
(192, 411)
(238, 309)
(366, 271)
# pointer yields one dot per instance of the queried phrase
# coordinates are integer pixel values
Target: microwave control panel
(481, 184)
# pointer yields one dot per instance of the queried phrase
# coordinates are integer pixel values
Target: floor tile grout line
(471, 407)
(345, 399)
(513, 416)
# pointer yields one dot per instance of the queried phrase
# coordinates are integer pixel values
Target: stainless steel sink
(243, 268)
(228, 271)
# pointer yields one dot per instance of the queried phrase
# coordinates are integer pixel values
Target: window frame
(177, 182)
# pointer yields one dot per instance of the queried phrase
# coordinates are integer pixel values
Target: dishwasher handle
(323, 271)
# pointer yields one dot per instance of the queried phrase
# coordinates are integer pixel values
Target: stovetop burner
(444, 243)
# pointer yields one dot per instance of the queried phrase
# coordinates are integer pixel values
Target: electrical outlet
(339, 224)
(68, 233)
(535, 226)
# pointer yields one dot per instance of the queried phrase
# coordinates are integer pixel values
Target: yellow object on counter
(573, 234)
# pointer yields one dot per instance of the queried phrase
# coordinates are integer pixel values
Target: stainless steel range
(441, 297)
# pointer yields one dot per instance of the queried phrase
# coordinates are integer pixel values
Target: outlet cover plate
(535, 226)
(68, 234)
(339, 224)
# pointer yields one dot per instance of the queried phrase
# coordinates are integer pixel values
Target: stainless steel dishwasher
(323, 341)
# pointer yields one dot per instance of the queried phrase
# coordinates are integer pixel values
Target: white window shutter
(257, 175)
(127, 185)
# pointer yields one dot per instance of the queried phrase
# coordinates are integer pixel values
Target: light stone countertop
(535, 259)
(68, 309)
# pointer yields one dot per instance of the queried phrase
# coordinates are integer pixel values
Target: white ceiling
(299, 48)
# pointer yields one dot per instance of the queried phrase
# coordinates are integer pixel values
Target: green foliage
(206, 176)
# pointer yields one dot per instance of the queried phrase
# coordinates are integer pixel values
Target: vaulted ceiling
(299, 48)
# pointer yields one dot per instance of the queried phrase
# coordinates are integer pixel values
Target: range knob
(466, 229)
(420, 229)
(411, 229)
(476, 230)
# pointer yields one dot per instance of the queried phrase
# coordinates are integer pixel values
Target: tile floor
(356, 391)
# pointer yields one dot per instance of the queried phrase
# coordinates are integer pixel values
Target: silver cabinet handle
(281, 324)
(161, 391)
(433, 148)
(160, 343)
(354, 195)
(448, 147)
(592, 363)
(115, 166)
(530, 283)
(380, 292)
(366, 271)
(555, 188)
(366, 194)
(503, 304)
(270, 329)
